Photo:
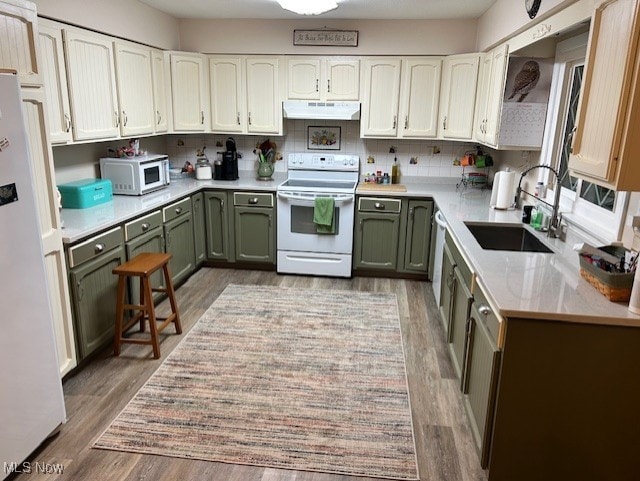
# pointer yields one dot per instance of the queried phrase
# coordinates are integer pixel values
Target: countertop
(518, 284)
(79, 224)
(528, 285)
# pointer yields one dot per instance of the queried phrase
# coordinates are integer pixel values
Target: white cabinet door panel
(90, 73)
(264, 103)
(342, 80)
(227, 109)
(188, 96)
(457, 100)
(160, 92)
(135, 89)
(381, 97)
(420, 95)
(304, 78)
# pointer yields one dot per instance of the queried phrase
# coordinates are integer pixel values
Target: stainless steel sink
(506, 237)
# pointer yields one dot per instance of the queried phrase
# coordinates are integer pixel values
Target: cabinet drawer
(253, 199)
(176, 209)
(95, 247)
(487, 316)
(142, 225)
(383, 204)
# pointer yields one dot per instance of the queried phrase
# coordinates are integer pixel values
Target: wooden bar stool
(143, 266)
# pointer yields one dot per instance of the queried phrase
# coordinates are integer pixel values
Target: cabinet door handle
(98, 248)
(406, 122)
(238, 118)
(249, 118)
(145, 226)
(202, 117)
(395, 121)
(125, 119)
(269, 220)
(117, 119)
(67, 121)
(484, 310)
(379, 205)
(444, 123)
(178, 210)
(317, 85)
(253, 200)
(411, 212)
(158, 116)
(328, 85)
(221, 205)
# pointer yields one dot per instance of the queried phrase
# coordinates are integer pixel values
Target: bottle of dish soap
(395, 171)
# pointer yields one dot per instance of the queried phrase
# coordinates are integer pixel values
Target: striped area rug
(302, 379)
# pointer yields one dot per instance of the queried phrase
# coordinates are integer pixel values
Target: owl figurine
(526, 80)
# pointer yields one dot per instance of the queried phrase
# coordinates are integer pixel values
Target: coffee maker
(228, 168)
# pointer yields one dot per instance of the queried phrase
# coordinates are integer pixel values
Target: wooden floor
(96, 394)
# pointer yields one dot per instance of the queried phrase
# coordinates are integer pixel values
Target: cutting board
(370, 187)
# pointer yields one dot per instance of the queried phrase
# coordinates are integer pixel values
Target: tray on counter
(370, 186)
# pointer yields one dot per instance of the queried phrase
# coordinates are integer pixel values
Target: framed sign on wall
(328, 38)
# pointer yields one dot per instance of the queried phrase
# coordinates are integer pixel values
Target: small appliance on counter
(203, 167)
(85, 193)
(136, 175)
(228, 168)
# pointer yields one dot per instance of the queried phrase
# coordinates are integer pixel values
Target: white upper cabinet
(490, 93)
(19, 41)
(264, 100)
(341, 80)
(227, 99)
(606, 141)
(160, 91)
(303, 78)
(135, 89)
(188, 92)
(92, 85)
(419, 97)
(458, 96)
(55, 81)
(314, 78)
(379, 117)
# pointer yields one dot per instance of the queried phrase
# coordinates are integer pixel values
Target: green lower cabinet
(418, 240)
(93, 291)
(178, 234)
(459, 314)
(152, 241)
(480, 381)
(254, 234)
(217, 226)
(376, 241)
(199, 228)
(446, 287)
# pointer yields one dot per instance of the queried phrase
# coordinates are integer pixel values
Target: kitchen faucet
(556, 228)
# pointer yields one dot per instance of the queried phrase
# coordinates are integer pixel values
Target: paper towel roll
(634, 300)
(502, 192)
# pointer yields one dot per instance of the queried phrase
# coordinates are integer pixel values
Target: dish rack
(479, 180)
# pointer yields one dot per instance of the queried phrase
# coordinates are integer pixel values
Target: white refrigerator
(31, 399)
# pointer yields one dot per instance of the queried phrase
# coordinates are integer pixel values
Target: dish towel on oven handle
(323, 217)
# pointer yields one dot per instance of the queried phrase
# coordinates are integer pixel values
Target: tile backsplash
(434, 158)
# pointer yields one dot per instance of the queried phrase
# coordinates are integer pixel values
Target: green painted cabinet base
(217, 226)
(254, 234)
(93, 291)
(376, 241)
(199, 231)
(178, 234)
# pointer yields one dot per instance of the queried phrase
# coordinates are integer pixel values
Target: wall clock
(532, 7)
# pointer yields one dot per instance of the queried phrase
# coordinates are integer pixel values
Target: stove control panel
(323, 161)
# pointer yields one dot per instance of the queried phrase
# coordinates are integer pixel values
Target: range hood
(306, 109)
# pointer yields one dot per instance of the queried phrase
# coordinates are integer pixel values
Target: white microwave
(136, 175)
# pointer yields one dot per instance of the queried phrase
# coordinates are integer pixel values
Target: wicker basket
(615, 286)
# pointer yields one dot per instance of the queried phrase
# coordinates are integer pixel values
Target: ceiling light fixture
(308, 7)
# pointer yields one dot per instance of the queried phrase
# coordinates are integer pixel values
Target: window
(596, 209)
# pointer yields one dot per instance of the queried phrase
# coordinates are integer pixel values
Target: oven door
(297, 231)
